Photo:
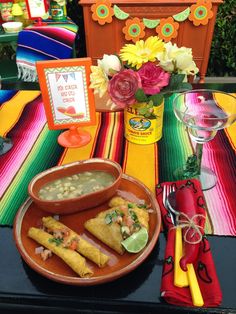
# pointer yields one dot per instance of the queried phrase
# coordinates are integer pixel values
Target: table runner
(35, 148)
(48, 42)
(151, 164)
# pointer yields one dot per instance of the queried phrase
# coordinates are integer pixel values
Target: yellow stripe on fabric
(231, 130)
(141, 162)
(113, 146)
(231, 134)
(11, 110)
(84, 152)
(110, 144)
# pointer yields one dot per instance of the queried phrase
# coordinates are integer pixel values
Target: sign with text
(36, 8)
(68, 100)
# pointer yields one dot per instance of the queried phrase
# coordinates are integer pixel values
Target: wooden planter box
(109, 37)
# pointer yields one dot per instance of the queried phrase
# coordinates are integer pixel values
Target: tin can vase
(57, 12)
(140, 129)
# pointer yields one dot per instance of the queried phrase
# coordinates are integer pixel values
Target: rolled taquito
(70, 257)
(82, 246)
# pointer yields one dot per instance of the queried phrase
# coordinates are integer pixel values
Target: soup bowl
(75, 203)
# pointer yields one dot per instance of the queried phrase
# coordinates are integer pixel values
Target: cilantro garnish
(57, 241)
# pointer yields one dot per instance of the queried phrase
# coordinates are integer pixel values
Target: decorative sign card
(68, 100)
(36, 8)
(65, 90)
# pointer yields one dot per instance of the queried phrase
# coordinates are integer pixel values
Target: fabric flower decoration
(177, 60)
(167, 29)
(123, 86)
(102, 11)
(153, 78)
(141, 52)
(134, 29)
(201, 12)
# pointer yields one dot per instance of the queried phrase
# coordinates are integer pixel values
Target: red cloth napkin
(204, 265)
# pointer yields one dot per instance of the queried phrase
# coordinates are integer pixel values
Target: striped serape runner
(155, 163)
(48, 42)
(35, 148)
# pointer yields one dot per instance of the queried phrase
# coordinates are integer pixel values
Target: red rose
(153, 78)
(123, 86)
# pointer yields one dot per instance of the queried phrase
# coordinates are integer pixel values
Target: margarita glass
(204, 112)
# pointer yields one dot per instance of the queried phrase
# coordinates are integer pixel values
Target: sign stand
(74, 137)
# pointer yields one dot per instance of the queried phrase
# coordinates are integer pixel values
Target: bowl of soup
(76, 186)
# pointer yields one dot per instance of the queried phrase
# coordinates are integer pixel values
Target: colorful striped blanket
(151, 164)
(48, 42)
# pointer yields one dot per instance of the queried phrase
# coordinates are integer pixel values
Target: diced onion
(39, 249)
(56, 217)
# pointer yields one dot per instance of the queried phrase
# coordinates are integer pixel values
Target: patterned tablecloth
(35, 148)
(52, 41)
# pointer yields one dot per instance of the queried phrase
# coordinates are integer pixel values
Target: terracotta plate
(119, 265)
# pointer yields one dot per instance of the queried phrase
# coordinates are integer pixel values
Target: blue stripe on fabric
(31, 56)
(36, 41)
(5, 95)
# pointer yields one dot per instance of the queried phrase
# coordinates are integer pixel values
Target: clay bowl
(76, 204)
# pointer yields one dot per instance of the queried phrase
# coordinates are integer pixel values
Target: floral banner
(167, 28)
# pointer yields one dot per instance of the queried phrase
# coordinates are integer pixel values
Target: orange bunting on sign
(201, 12)
(134, 29)
(167, 29)
(102, 12)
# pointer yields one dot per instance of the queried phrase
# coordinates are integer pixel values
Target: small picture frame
(36, 8)
(68, 100)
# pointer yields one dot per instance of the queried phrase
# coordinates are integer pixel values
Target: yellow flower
(99, 80)
(142, 51)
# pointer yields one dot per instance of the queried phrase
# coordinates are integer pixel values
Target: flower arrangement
(143, 72)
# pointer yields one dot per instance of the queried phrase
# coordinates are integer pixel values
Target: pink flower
(123, 86)
(153, 78)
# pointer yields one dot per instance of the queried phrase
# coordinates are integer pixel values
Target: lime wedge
(121, 15)
(150, 23)
(136, 242)
(182, 16)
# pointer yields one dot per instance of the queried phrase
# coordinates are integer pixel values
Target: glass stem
(199, 147)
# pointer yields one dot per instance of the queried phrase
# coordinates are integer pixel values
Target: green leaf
(140, 96)
(143, 111)
(176, 79)
(176, 84)
(157, 99)
(186, 86)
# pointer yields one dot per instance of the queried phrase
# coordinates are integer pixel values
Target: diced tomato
(124, 209)
(128, 221)
(73, 245)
